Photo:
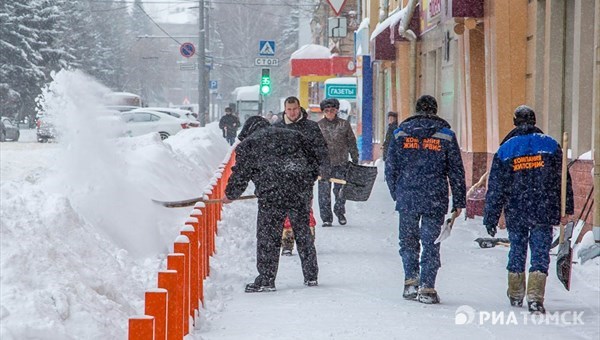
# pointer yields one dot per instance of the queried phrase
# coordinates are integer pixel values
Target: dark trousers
(411, 237)
(539, 238)
(230, 140)
(268, 235)
(339, 206)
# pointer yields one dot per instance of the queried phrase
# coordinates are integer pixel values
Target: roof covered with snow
(311, 51)
(246, 93)
(391, 21)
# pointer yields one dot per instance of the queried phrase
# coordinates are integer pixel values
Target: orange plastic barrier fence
(180, 292)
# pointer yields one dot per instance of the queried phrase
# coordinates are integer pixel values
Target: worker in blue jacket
(525, 181)
(423, 157)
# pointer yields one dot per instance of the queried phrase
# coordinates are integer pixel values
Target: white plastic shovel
(447, 227)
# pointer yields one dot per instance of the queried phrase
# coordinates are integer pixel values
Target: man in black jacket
(229, 123)
(389, 134)
(525, 182)
(296, 118)
(283, 167)
(424, 157)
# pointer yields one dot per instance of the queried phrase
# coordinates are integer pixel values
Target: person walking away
(296, 118)
(525, 182)
(389, 134)
(341, 143)
(229, 123)
(284, 168)
(423, 158)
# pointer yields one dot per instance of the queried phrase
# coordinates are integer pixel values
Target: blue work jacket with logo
(423, 158)
(525, 180)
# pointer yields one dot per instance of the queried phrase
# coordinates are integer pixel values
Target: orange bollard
(167, 279)
(141, 327)
(156, 306)
(182, 246)
(195, 282)
(200, 213)
(177, 262)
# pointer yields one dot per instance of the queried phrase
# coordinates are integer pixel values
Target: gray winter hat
(427, 105)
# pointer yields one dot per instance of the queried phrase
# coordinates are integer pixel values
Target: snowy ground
(80, 242)
(360, 286)
(65, 276)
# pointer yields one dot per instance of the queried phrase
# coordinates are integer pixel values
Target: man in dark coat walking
(424, 157)
(525, 182)
(284, 168)
(341, 144)
(229, 123)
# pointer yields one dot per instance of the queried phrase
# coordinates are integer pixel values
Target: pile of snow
(80, 238)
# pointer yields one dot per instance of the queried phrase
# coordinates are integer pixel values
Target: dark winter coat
(280, 162)
(231, 122)
(340, 139)
(311, 131)
(525, 180)
(423, 158)
(389, 134)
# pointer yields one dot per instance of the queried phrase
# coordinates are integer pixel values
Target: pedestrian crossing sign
(266, 47)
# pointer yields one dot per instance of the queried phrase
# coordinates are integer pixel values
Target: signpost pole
(202, 79)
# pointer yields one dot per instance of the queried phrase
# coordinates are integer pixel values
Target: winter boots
(311, 283)
(428, 296)
(516, 288)
(259, 286)
(342, 219)
(287, 242)
(536, 288)
(411, 288)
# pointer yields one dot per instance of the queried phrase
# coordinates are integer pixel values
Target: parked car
(177, 113)
(121, 108)
(142, 121)
(8, 130)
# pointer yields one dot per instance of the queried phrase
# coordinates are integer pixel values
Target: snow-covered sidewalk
(360, 286)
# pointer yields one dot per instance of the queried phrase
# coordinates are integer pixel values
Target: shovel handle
(334, 180)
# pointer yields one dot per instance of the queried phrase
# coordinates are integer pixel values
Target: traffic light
(265, 81)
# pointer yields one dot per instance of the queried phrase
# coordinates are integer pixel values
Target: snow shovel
(581, 221)
(565, 252)
(447, 227)
(358, 183)
(191, 201)
(491, 242)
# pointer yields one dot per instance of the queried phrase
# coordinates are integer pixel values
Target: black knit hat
(523, 115)
(427, 105)
(330, 102)
(252, 125)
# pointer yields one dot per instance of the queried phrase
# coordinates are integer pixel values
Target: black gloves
(491, 230)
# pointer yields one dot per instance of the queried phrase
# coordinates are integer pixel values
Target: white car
(178, 113)
(141, 121)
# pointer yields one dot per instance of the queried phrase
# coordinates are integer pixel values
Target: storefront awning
(386, 33)
(317, 60)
